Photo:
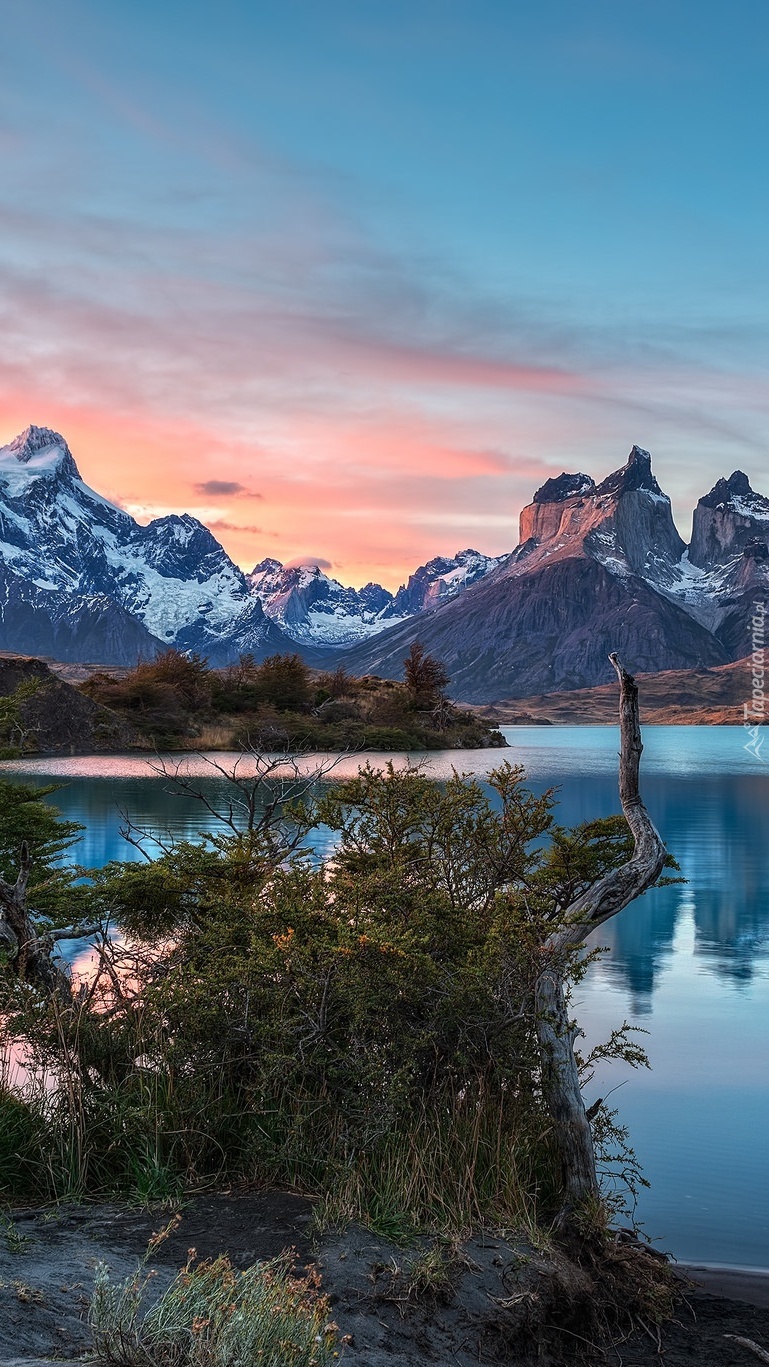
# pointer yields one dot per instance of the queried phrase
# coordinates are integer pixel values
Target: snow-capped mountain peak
(64, 547)
(315, 609)
(37, 452)
(81, 579)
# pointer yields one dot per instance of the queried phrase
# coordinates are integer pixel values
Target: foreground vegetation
(213, 1315)
(388, 1031)
(370, 1029)
(175, 701)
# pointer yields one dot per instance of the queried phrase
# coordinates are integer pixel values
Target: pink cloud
(380, 423)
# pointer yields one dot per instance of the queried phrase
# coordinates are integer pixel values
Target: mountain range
(315, 610)
(80, 579)
(598, 567)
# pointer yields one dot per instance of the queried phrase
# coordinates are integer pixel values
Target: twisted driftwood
(556, 1033)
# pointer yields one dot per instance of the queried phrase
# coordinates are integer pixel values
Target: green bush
(281, 704)
(22, 1142)
(362, 1029)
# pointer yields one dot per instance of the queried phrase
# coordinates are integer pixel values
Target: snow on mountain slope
(80, 579)
(69, 559)
(599, 567)
(314, 609)
(726, 567)
(440, 579)
(62, 544)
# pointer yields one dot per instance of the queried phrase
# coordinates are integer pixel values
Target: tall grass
(469, 1159)
(449, 1170)
(212, 1315)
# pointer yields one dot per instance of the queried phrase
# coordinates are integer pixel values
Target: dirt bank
(494, 1300)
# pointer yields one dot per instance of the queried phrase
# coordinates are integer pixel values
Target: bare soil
(500, 1300)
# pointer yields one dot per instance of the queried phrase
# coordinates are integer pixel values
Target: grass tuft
(212, 1315)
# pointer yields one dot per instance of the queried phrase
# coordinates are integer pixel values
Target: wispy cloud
(220, 524)
(224, 488)
(310, 561)
(206, 316)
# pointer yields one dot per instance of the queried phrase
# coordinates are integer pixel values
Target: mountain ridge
(598, 566)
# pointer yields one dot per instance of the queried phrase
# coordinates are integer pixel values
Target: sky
(348, 280)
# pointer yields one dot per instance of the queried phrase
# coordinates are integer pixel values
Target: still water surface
(690, 963)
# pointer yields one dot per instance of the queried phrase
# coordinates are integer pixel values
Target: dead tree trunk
(27, 950)
(556, 1034)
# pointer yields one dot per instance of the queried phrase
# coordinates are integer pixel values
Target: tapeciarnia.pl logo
(755, 710)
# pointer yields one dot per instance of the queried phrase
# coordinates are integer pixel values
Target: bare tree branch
(752, 1347)
(258, 788)
(77, 932)
(596, 904)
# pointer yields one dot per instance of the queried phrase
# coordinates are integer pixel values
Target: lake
(689, 964)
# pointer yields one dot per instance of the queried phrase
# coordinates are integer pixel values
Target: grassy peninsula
(176, 702)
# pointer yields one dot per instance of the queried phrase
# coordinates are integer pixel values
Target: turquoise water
(689, 964)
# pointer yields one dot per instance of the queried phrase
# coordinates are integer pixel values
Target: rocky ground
(493, 1301)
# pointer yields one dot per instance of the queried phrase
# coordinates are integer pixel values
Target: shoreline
(366, 1276)
(747, 1284)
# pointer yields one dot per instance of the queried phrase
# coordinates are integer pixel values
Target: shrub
(212, 1315)
(424, 676)
(284, 681)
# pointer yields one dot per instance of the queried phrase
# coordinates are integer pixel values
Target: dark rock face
(56, 718)
(727, 520)
(723, 489)
(548, 631)
(639, 525)
(65, 628)
(374, 598)
(636, 474)
(564, 486)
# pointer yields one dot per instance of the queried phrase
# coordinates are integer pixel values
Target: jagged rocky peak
(374, 597)
(727, 520)
(41, 451)
(626, 520)
(637, 528)
(34, 439)
(728, 491)
(635, 474)
(564, 486)
(180, 545)
(441, 578)
(268, 566)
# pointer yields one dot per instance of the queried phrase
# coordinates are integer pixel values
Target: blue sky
(386, 266)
